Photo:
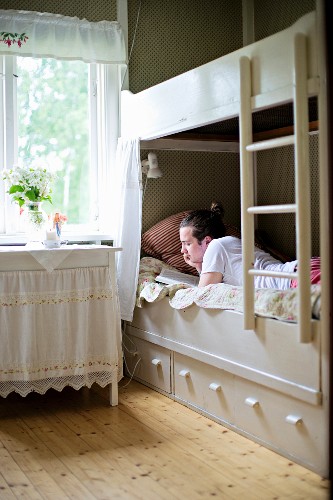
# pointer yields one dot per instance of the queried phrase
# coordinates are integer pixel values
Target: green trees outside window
(54, 129)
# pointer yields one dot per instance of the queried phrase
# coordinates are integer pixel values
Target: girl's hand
(188, 261)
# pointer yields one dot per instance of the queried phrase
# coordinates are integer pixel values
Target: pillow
(162, 242)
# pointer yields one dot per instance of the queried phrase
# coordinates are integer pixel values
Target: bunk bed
(264, 377)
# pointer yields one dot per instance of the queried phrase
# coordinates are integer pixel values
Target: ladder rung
(277, 274)
(271, 143)
(272, 209)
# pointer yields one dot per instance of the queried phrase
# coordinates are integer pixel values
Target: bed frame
(263, 378)
(252, 381)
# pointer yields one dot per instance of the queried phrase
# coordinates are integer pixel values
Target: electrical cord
(133, 353)
(131, 374)
(144, 189)
(134, 36)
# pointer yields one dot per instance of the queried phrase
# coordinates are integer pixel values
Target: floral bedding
(271, 303)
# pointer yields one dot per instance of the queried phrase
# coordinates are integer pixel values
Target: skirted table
(59, 319)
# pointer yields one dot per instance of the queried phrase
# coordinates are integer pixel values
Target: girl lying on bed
(218, 258)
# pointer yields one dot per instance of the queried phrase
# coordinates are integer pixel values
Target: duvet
(271, 303)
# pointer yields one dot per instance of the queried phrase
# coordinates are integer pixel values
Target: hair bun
(217, 208)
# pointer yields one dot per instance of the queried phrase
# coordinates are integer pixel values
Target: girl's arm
(210, 279)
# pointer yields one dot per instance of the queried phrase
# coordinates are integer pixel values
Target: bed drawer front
(206, 387)
(272, 351)
(288, 425)
(150, 363)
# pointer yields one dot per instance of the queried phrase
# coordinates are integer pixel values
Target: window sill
(77, 238)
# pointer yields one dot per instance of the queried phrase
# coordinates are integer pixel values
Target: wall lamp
(150, 167)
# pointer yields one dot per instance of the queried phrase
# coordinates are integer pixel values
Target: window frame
(104, 96)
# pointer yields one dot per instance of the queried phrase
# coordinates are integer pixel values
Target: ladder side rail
(302, 188)
(247, 192)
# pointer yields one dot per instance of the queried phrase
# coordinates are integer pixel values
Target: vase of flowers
(29, 187)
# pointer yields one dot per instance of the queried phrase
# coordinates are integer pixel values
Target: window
(54, 124)
(52, 111)
(59, 93)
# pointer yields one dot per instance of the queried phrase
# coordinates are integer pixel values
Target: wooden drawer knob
(215, 387)
(184, 373)
(294, 419)
(156, 362)
(254, 403)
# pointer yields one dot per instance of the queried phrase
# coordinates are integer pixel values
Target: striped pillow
(162, 242)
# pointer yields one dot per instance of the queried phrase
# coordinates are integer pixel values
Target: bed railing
(301, 207)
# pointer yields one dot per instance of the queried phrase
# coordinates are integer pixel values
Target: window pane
(53, 130)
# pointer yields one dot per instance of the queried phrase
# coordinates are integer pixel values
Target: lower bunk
(262, 383)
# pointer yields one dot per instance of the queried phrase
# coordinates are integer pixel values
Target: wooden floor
(73, 445)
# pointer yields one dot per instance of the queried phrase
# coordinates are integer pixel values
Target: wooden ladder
(301, 208)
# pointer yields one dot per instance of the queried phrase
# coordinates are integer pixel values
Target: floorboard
(73, 445)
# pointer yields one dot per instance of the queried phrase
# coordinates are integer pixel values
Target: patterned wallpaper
(192, 180)
(99, 10)
(275, 175)
(272, 16)
(174, 36)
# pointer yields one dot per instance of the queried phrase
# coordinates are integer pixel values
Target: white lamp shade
(150, 167)
(154, 173)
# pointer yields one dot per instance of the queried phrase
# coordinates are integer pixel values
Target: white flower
(29, 184)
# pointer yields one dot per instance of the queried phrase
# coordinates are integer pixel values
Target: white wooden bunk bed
(264, 378)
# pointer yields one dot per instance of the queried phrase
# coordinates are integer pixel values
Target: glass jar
(35, 220)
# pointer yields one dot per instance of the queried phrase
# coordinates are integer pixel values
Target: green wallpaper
(272, 16)
(99, 10)
(174, 36)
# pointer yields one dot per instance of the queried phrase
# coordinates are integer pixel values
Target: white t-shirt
(224, 255)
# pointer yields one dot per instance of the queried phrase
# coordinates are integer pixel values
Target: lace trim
(61, 297)
(69, 366)
(23, 387)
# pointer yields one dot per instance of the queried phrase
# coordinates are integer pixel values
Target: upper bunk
(210, 93)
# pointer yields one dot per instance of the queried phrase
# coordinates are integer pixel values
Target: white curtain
(59, 328)
(129, 208)
(38, 34)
